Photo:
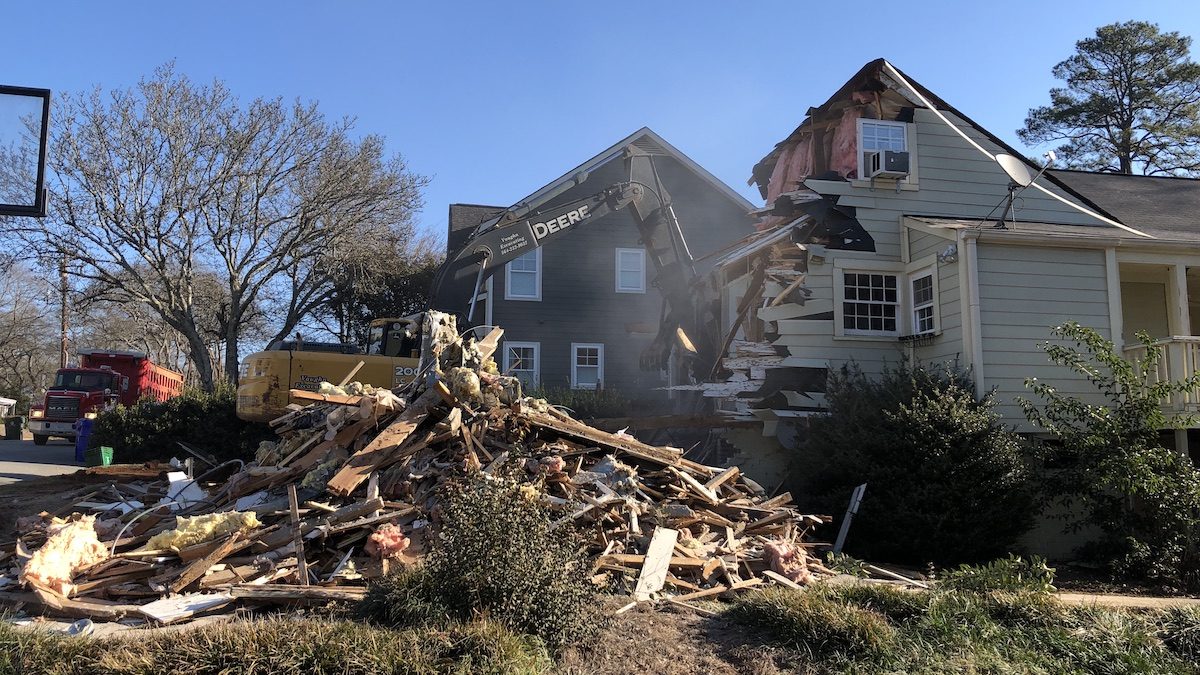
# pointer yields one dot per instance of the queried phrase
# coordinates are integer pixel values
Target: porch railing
(1179, 359)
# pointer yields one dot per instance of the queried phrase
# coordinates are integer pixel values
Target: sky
(493, 100)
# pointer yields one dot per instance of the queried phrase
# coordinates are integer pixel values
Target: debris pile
(351, 489)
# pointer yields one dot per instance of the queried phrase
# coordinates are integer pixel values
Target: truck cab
(102, 380)
(77, 393)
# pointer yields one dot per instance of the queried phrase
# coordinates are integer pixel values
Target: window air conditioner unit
(885, 164)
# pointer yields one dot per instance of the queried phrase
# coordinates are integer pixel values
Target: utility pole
(62, 313)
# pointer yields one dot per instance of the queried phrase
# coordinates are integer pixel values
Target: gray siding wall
(579, 300)
(1023, 292)
(955, 181)
(947, 347)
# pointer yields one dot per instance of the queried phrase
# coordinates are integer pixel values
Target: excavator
(393, 349)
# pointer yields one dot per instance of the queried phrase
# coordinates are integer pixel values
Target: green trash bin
(13, 427)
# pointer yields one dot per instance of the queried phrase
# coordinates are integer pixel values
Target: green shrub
(946, 481)
(207, 422)
(496, 553)
(587, 403)
(1109, 464)
(900, 605)
(1013, 573)
(815, 622)
(407, 598)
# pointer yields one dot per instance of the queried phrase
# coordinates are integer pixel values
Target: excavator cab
(397, 338)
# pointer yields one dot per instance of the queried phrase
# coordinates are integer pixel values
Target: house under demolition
(890, 230)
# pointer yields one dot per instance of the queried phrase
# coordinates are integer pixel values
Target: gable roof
(874, 77)
(463, 220)
(644, 139)
(1162, 206)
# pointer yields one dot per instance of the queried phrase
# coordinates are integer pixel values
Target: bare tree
(28, 334)
(159, 186)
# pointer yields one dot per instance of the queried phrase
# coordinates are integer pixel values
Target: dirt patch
(672, 642)
(34, 495)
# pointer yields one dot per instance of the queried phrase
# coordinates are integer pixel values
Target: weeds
(871, 628)
(277, 646)
(1012, 573)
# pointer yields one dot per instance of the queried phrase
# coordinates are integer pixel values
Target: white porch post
(1180, 323)
(1116, 320)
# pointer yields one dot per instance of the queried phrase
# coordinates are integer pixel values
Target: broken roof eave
(878, 70)
(759, 242)
(1059, 235)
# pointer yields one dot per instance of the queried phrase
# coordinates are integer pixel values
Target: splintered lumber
(197, 569)
(360, 466)
(340, 399)
(658, 525)
(281, 593)
(658, 558)
(297, 535)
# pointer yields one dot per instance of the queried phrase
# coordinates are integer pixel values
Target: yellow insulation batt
(199, 529)
(70, 547)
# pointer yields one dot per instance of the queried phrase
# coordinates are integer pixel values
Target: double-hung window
(521, 360)
(587, 366)
(631, 270)
(870, 304)
(922, 300)
(523, 277)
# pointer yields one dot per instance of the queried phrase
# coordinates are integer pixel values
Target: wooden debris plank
(676, 561)
(654, 567)
(282, 593)
(356, 470)
(350, 375)
(706, 593)
(339, 399)
(696, 486)
(781, 580)
(723, 477)
(198, 568)
(888, 573)
(692, 608)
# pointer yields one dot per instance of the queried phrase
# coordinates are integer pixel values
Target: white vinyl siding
(587, 365)
(522, 360)
(631, 270)
(523, 277)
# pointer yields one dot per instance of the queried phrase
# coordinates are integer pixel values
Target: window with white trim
(874, 135)
(522, 360)
(631, 270)
(587, 366)
(924, 312)
(523, 277)
(870, 303)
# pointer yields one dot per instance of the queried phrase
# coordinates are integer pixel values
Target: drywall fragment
(70, 546)
(198, 529)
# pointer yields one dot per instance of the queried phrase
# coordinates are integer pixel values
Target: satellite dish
(1015, 168)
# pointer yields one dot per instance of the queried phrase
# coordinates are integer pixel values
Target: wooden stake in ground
(298, 535)
(658, 558)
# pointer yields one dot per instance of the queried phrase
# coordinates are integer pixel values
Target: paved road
(22, 459)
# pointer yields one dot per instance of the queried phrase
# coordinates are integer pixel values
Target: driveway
(22, 459)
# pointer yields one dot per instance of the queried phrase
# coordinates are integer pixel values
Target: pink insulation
(787, 559)
(387, 541)
(70, 547)
(793, 166)
(550, 464)
(843, 154)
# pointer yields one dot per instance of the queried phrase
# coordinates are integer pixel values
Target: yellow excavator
(394, 345)
(391, 358)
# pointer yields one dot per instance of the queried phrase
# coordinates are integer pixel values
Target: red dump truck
(102, 380)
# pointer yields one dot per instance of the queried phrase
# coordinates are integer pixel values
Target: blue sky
(493, 100)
